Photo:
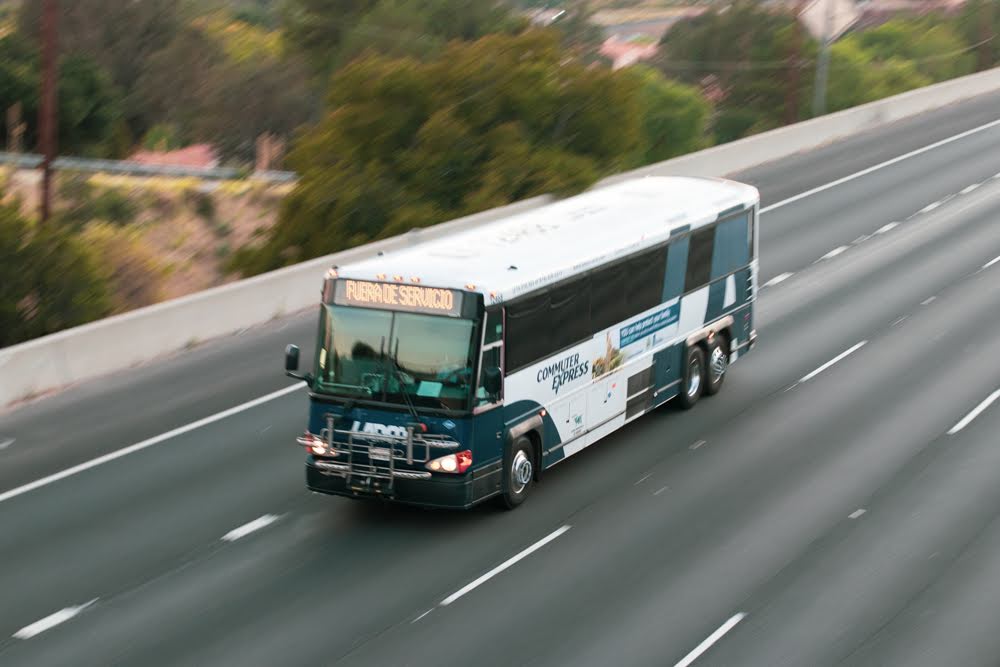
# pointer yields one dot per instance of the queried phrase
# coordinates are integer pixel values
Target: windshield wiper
(402, 382)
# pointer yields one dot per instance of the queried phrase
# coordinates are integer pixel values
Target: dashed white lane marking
(710, 641)
(780, 278)
(503, 566)
(833, 361)
(4, 444)
(856, 513)
(643, 479)
(51, 621)
(698, 444)
(970, 188)
(975, 413)
(861, 239)
(131, 449)
(247, 528)
(887, 228)
(656, 493)
(881, 165)
(833, 253)
(930, 207)
(985, 266)
(421, 616)
(928, 301)
(900, 320)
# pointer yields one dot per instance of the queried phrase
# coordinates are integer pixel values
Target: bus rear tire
(716, 364)
(518, 473)
(693, 378)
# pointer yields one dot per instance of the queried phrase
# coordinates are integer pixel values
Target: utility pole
(47, 113)
(823, 62)
(795, 67)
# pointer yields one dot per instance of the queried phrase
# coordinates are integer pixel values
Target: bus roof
(514, 255)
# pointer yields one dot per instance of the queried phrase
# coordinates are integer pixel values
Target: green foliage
(855, 79)
(712, 44)
(974, 28)
(316, 28)
(131, 270)
(162, 137)
(936, 49)
(203, 204)
(49, 280)
(418, 28)
(89, 105)
(84, 203)
(674, 117)
(408, 144)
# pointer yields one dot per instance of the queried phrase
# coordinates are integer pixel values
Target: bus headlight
(453, 463)
(313, 443)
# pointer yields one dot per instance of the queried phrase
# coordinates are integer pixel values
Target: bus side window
(699, 265)
(492, 357)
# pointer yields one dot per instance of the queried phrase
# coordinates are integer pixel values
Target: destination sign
(398, 296)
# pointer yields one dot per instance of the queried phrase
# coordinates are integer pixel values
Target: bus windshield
(390, 357)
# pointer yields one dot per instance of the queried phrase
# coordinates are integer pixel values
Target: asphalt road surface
(837, 503)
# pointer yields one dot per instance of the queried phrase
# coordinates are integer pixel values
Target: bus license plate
(378, 453)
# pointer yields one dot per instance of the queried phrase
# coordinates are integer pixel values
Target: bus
(458, 370)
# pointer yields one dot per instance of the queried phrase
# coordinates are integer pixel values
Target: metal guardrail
(128, 168)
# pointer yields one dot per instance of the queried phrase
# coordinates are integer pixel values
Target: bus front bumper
(410, 488)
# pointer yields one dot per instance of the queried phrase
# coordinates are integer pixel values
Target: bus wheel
(518, 472)
(694, 377)
(717, 364)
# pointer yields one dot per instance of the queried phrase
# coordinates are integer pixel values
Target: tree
(674, 116)
(745, 50)
(316, 28)
(855, 79)
(120, 35)
(937, 50)
(89, 104)
(49, 280)
(409, 144)
(979, 25)
(243, 100)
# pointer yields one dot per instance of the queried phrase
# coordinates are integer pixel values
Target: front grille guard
(371, 458)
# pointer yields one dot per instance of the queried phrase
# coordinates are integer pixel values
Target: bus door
(488, 418)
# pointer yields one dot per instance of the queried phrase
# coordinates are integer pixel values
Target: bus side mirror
(491, 381)
(291, 358)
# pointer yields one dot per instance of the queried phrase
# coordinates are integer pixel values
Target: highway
(837, 503)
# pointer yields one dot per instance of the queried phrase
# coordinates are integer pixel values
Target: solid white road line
(833, 361)
(881, 165)
(780, 278)
(712, 638)
(975, 413)
(247, 528)
(503, 566)
(100, 460)
(51, 621)
(991, 262)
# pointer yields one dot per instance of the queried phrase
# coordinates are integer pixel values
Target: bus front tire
(518, 472)
(716, 364)
(693, 377)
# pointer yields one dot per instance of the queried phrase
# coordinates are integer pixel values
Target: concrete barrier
(119, 342)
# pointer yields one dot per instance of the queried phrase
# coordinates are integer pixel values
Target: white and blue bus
(458, 370)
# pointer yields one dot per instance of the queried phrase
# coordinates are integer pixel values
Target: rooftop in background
(504, 258)
(198, 155)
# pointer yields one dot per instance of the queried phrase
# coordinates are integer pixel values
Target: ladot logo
(379, 429)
